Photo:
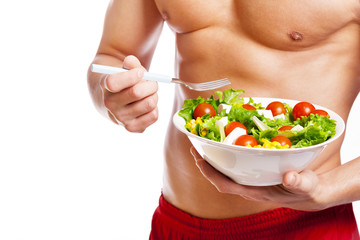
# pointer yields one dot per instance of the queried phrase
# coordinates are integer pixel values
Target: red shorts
(338, 222)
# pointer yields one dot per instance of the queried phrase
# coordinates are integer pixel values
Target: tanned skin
(304, 50)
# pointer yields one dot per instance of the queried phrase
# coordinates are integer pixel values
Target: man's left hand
(299, 191)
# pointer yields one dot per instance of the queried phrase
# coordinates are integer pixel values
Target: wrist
(340, 185)
(327, 192)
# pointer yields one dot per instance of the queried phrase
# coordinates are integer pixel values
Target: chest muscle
(279, 24)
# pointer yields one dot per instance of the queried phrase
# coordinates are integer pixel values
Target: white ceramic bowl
(255, 166)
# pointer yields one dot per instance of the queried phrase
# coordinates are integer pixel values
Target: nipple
(296, 36)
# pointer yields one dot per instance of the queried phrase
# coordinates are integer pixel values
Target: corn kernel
(270, 145)
(204, 132)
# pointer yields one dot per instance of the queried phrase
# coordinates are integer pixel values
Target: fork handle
(147, 76)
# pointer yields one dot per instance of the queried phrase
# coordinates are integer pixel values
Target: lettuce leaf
(268, 134)
(187, 109)
(317, 129)
(277, 122)
(212, 131)
(240, 114)
(229, 96)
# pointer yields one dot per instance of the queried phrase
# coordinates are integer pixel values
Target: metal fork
(163, 78)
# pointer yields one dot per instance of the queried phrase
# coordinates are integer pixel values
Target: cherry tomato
(245, 140)
(285, 128)
(231, 126)
(204, 108)
(276, 108)
(248, 107)
(282, 140)
(320, 113)
(302, 109)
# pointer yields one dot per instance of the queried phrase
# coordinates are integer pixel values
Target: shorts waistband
(277, 222)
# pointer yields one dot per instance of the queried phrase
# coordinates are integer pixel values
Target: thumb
(303, 182)
(131, 62)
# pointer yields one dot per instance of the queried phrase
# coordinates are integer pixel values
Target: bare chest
(273, 23)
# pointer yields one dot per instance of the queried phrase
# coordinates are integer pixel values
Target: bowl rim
(179, 123)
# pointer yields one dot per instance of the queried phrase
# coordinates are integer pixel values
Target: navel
(165, 15)
(296, 36)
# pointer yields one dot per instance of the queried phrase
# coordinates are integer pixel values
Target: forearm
(342, 184)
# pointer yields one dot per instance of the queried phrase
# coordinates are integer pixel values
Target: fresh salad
(231, 120)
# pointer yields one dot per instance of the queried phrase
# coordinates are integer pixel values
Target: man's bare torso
(304, 50)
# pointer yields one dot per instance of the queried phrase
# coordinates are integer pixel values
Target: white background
(65, 171)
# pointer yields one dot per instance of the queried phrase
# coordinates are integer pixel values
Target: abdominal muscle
(316, 74)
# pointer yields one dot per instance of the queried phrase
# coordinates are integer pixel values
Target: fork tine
(216, 82)
(209, 85)
(212, 84)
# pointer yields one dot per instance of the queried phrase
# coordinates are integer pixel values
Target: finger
(225, 185)
(194, 153)
(211, 174)
(208, 171)
(140, 108)
(137, 109)
(141, 123)
(119, 81)
(116, 82)
(131, 62)
(122, 104)
(220, 181)
(303, 182)
(137, 92)
(113, 118)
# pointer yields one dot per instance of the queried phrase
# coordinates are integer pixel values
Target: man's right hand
(129, 100)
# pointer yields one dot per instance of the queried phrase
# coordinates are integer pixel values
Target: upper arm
(131, 27)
